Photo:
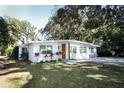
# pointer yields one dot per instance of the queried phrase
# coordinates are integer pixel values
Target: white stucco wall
(20, 52)
(79, 55)
(35, 48)
(31, 53)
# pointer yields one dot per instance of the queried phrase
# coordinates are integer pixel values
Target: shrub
(9, 51)
(42, 61)
(104, 50)
(59, 59)
(104, 53)
(53, 60)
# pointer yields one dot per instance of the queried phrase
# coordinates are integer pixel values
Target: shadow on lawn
(54, 75)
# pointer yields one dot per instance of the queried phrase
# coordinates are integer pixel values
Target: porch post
(95, 52)
(19, 52)
(68, 50)
(88, 52)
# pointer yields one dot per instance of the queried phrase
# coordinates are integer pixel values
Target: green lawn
(65, 75)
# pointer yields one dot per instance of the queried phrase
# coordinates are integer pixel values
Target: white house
(60, 49)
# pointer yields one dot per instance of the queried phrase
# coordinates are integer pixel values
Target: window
(24, 50)
(46, 49)
(91, 49)
(83, 49)
(49, 49)
(43, 49)
(73, 49)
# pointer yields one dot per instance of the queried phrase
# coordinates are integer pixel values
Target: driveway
(109, 60)
(106, 60)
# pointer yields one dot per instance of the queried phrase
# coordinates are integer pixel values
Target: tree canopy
(28, 30)
(96, 24)
(12, 29)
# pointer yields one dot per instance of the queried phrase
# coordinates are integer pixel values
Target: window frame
(24, 50)
(73, 49)
(45, 50)
(83, 49)
(50, 50)
(91, 49)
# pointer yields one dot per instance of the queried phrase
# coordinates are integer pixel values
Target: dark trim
(68, 50)
(64, 51)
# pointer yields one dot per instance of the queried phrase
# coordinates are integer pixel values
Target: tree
(95, 24)
(13, 27)
(28, 30)
(9, 28)
(3, 34)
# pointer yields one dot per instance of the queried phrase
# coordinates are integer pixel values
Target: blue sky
(38, 15)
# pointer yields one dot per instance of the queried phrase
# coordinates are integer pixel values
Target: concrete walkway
(106, 60)
(3, 57)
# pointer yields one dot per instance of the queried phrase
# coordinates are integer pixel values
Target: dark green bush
(9, 51)
(41, 61)
(104, 53)
(104, 50)
(59, 59)
(53, 60)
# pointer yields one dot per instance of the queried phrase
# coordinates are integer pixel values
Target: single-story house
(59, 49)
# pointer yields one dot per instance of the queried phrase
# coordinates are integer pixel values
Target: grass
(62, 75)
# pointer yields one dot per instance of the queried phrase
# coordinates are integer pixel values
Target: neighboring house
(59, 49)
(23, 40)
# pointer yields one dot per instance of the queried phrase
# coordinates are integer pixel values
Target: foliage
(9, 51)
(102, 25)
(53, 61)
(28, 30)
(3, 35)
(9, 29)
(12, 30)
(41, 61)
